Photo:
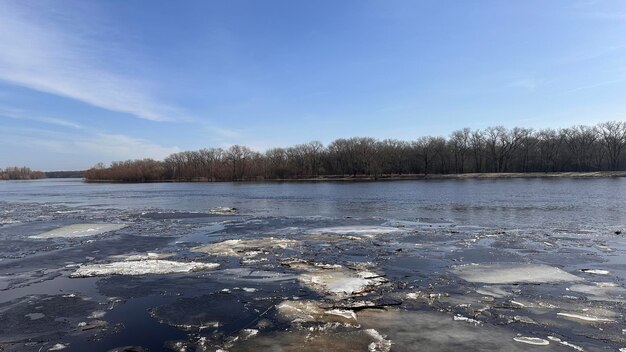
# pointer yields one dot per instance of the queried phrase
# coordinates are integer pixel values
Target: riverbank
(407, 177)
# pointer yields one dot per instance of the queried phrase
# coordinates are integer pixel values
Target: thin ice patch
(512, 273)
(356, 230)
(142, 267)
(79, 230)
(601, 291)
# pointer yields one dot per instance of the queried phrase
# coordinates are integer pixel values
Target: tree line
(494, 149)
(20, 173)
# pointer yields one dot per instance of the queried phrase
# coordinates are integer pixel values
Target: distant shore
(407, 177)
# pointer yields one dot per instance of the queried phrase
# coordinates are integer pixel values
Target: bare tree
(613, 137)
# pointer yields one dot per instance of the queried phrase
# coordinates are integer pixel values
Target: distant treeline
(20, 173)
(65, 174)
(494, 149)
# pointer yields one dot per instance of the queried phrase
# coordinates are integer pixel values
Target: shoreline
(407, 177)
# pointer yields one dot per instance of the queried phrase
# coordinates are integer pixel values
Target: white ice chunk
(223, 210)
(79, 230)
(57, 347)
(595, 271)
(512, 273)
(143, 267)
(467, 320)
(97, 314)
(344, 313)
(380, 344)
(587, 317)
(245, 248)
(532, 340)
(565, 343)
(310, 311)
(341, 282)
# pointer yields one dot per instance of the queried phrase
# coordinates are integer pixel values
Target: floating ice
(249, 275)
(341, 282)
(595, 271)
(97, 314)
(380, 344)
(512, 273)
(94, 324)
(34, 316)
(141, 256)
(356, 230)
(493, 291)
(532, 340)
(79, 230)
(586, 317)
(565, 343)
(466, 319)
(601, 291)
(142, 267)
(344, 313)
(223, 210)
(57, 347)
(245, 248)
(310, 311)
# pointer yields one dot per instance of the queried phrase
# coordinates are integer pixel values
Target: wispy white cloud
(78, 149)
(43, 53)
(18, 114)
(225, 132)
(596, 85)
(122, 147)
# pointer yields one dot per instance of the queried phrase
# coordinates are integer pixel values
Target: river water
(437, 265)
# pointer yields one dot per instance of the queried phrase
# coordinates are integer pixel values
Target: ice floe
(141, 256)
(595, 271)
(79, 230)
(493, 291)
(339, 281)
(532, 340)
(601, 291)
(57, 347)
(466, 319)
(356, 230)
(142, 267)
(565, 343)
(223, 211)
(245, 248)
(250, 275)
(591, 316)
(512, 273)
(311, 311)
(94, 324)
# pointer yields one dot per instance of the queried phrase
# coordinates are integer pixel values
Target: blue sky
(87, 81)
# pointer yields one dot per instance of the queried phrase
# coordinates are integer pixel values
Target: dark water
(411, 234)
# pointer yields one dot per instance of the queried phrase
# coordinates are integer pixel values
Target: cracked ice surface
(512, 273)
(142, 267)
(79, 230)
